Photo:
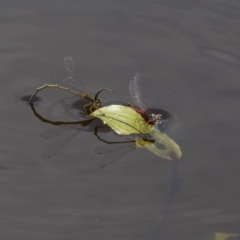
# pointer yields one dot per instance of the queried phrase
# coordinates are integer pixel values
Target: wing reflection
(66, 132)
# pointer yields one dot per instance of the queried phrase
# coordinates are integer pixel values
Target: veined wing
(135, 91)
(70, 68)
(65, 137)
(73, 81)
(114, 152)
(53, 132)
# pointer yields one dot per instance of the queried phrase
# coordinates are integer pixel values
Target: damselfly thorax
(135, 91)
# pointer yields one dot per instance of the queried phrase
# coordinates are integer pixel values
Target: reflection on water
(189, 53)
(24, 101)
(68, 130)
(222, 56)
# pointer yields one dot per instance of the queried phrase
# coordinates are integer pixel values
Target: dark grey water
(188, 54)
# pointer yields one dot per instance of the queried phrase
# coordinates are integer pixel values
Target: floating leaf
(123, 120)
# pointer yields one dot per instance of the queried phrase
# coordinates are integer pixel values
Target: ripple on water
(24, 101)
(167, 117)
(220, 55)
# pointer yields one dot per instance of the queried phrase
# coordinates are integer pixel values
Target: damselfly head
(155, 118)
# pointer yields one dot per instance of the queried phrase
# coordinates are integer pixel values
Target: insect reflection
(117, 149)
(65, 132)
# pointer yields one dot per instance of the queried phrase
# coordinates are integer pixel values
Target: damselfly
(135, 91)
(73, 85)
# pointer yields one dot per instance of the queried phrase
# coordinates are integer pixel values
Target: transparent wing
(76, 113)
(73, 81)
(135, 91)
(53, 132)
(69, 65)
(114, 152)
(61, 142)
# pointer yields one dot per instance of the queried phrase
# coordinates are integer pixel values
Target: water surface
(188, 55)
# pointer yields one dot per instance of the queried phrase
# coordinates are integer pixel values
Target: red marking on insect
(151, 119)
(85, 95)
(144, 114)
(135, 91)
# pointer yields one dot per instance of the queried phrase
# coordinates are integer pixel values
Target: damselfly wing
(73, 85)
(135, 90)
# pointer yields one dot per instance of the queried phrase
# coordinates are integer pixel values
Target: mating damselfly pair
(124, 119)
(73, 85)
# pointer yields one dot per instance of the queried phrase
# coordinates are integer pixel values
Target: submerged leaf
(123, 120)
(172, 149)
(225, 236)
(163, 146)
